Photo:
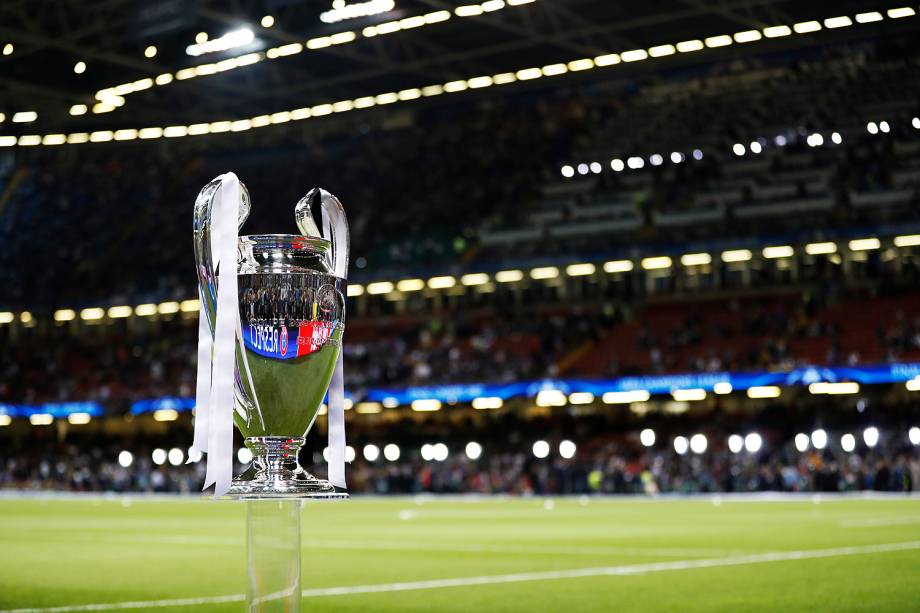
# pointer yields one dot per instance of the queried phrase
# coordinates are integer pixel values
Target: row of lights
(245, 36)
(438, 452)
(541, 273)
(112, 97)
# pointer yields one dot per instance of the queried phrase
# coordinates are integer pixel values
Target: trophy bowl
(291, 323)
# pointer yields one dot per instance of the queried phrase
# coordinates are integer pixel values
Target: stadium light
(487, 402)
(869, 17)
(722, 387)
(871, 436)
(125, 459)
(25, 117)
(540, 449)
(350, 453)
(568, 172)
(806, 27)
(581, 398)
(444, 282)
(8, 49)
(698, 443)
(439, 452)
(391, 452)
(819, 439)
(634, 55)
(647, 437)
(5, 419)
(748, 36)
(544, 272)
(662, 50)
(688, 46)
(567, 449)
(474, 279)
(368, 408)
(355, 290)
(913, 385)
(615, 266)
(625, 397)
(117, 312)
(834, 388)
(379, 287)
(837, 22)
(78, 109)
(145, 310)
(509, 276)
(41, 419)
(736, 255)
(689, 395)
(426, 404)
(898, 13)
(577, 270)
(175, 456)
(907, 240)
(801, 442)
(848, 442)
(165, 415)
(695, 259)
(753, 442)
(7, 317)
(79, 67)
(764, 391)
(820, 248)
(914, 436)
(194, 455)
(656, 263)
(371, 453)
(410, 285)
(79, 419)
(735, 443)
(551, 398)
(617, 165)
(779, 251)
(864, 244)
(391, 402)
(92, 314)
(64, 315)
(721, 40)
(158, 456)
(473, 450)
(681, 445)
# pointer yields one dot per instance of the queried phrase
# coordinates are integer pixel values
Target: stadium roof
(297, 60)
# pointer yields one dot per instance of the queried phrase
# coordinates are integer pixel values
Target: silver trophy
(292, 319)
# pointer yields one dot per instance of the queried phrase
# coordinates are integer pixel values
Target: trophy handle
(331, 216)
(207, 276)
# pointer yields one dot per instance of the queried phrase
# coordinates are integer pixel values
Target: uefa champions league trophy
(270, 336)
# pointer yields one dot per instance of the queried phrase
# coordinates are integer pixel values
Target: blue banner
(57, 410)
(653, 384)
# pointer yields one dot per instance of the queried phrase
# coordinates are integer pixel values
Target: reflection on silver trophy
(291, 321)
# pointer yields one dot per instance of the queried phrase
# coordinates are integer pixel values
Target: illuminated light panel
(614, 266)
(122, 135)
(41, 419)
(834, 388)
(168, 308)
(101, 136)
(508, 276)
(7, 317)
(635, 55)
(92, 314)
(528, 74)
(607, 60)
(5, 420)
(913, 385)
(578, 270)
(869, 17)
(230, 40)
(806, 26)
(455, 86)
(29, 140)
(736, 255)
(581, 398)
(551, 398)
(626, 397)
(355, 10)
(146, 133)
(907, 240)
(410, 285)
(689, 395)
(748, 36)
(820, 248)
(54, 139)
(441, 282)
(864, 244)
(469, 10)
(723, 40)
(662, 50)
(25, 117)
(368, 408)
(79, 419)
(898, 13)
(837, 22)
(688, 46)
(379, 287)
(553, 70)
(354, 290)
(695, 259)
(7, 141)
(505, 77)
(578, 65)
(779, 251)
(190, 306)
(487, 402)
(426, 404)
(78, 109)
(117, 312)
(544, 272)
(777, 31)
(165, 415)
(64, 315)
(391, 97)
(476, 278)
(722, 388)
(656, 263)
(145, 310)
(763, 391)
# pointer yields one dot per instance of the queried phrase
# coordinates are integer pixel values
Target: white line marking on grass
(575, 573)
(878, 522)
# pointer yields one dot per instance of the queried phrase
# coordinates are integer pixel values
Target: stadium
(632, 305)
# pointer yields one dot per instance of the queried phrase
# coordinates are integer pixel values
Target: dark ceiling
(50, 36)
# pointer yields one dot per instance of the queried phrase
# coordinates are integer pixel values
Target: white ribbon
(336, 425)
(214, 397)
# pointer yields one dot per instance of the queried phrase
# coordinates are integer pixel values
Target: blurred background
(597, 247)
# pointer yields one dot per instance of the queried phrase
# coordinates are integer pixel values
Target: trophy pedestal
(275, 472)
(273, 556)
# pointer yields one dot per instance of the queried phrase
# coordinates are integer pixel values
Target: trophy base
(275, 472)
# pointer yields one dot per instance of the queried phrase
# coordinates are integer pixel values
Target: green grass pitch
(564, 554)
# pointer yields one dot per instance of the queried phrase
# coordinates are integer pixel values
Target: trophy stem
(273, 556)
(275, 472)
